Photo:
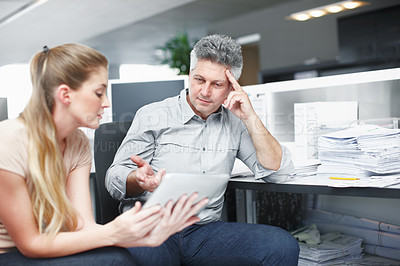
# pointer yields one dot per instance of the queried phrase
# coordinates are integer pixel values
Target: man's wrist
(133, 187)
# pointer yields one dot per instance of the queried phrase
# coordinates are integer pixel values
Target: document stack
(379, 238)
(313, 119)
(359, 152)
(335, 249)
(305, 168)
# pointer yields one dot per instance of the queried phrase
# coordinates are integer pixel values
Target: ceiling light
(352, 4)
(316, 13)
(334, 9)
(301, 16)
(248, 39)
(324, 10)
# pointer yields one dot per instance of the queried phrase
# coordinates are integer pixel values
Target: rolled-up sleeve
(247, 154)
(282, 174)
(138, 141)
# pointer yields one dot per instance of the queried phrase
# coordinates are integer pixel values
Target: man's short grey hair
(218, 49)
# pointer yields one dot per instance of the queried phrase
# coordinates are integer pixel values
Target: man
(203, 130)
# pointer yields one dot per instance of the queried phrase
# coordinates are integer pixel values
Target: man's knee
(288, 249)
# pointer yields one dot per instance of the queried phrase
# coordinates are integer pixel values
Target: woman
(45, 208)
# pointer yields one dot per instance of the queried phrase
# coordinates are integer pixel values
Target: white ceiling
(126, 31)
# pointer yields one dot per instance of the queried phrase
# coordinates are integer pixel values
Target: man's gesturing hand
(145, 175)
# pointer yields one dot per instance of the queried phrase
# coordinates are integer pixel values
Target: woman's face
(88, 102)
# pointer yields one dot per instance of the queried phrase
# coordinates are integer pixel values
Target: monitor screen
(3, 109)
(127, 98)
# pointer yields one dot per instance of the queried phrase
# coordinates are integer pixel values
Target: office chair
(107, 138)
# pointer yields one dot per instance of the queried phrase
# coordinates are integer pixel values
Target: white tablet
(173, 186)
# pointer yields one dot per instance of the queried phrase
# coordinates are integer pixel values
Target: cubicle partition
(377, 94)
(128, 97)
(3, 109)
(378, 97)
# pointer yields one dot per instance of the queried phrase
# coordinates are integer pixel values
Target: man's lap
(221, 243)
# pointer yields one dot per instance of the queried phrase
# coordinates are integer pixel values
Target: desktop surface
(313, 185)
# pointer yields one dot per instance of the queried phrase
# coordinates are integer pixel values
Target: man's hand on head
(238, 101)
(145, 175)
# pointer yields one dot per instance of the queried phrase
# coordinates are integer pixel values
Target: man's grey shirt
(169, 135)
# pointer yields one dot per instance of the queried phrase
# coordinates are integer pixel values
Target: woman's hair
(70, 64)
(218, 49)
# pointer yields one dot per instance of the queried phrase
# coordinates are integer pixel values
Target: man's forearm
(268, 150)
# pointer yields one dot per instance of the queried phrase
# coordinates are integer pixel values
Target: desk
(307, 187)
(246, 205)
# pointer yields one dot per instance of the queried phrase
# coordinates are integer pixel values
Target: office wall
(285, 43)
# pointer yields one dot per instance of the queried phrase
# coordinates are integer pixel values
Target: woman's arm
(17, 216)
(136, 227)
(174, 218)
(78, 192)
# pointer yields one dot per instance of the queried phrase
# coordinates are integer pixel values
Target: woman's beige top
(14, 158)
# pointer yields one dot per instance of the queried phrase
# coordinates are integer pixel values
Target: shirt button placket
(204, 138)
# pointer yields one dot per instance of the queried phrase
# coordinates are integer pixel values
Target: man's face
(208, 88)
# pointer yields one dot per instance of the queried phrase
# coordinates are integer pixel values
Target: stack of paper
(379, 238)
(313, 119)
(305, 168)
(335, 248)
(359, 151)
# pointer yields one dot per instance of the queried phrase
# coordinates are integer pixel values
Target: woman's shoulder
(78, 151)
(78, 137)
(13, 147)
(12, 129)
(12, 125)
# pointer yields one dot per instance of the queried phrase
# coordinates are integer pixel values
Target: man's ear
(63, 94)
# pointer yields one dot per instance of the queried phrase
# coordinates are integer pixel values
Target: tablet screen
(173, 186)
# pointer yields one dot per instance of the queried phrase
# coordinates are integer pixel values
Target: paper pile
(313, 119)
(305, 168)
(360, 151)
(335, 248)
(379, 238)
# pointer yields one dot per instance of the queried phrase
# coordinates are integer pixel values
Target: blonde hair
(70, 64)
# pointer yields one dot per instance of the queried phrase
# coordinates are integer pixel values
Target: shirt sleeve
(13, 153)
(138, 141)
(247, 153)
(84, 151)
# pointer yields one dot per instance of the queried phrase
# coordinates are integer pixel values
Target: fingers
(136, 208)
(154, 180)
(189, 222)
(233, 98)
(235, 85)
(138, 161)
(145, 176)
(181, 208)
(142, 214)
(186, 207)
(199, 205)
(136, 223)
(160, 175)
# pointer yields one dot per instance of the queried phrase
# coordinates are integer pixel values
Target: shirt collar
(187, 111)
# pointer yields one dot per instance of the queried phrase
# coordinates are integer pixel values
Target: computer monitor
(3, 109)
(128, 97)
